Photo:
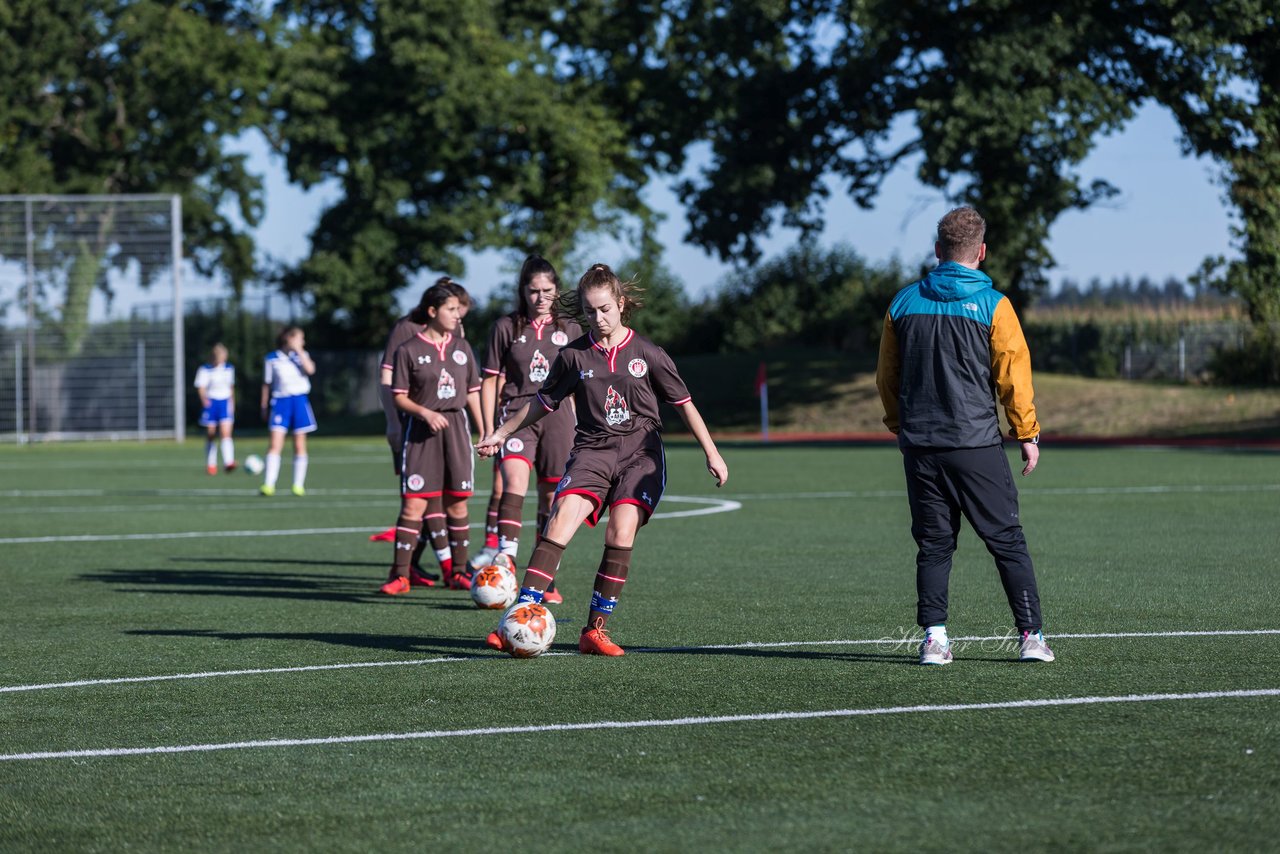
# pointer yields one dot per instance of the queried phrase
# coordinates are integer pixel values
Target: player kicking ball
(617, 379)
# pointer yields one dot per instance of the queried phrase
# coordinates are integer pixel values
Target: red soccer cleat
(418, 577)
(387, 536)
(552, 596)
(211, 469)
(230, 467)
(496, 641)
(395, 586)
(457, 580)
(597, 642)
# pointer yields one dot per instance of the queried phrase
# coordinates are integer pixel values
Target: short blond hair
(960, 233)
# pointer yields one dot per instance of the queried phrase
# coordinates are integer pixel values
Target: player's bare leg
(211, 450)
(275, 444)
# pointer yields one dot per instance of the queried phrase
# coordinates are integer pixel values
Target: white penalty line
(713, 505)
(884, 642)
(702, 720)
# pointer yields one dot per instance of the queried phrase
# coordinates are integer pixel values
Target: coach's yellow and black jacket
(952, 346)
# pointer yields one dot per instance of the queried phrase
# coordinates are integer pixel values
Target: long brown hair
(534, 266)
(433, 297)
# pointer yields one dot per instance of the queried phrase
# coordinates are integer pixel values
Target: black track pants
(975, 482)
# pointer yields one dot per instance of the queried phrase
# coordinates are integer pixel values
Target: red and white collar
(538, 327)
(611, 353)
(440, 347)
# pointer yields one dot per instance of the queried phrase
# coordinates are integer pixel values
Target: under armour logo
(424, 360)
(647, 499)
(523, 340)
(466, 485)
(406, 546)
(582, 375)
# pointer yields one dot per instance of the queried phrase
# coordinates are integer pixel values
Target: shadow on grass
(355, 640)
(280, 561)
(758, 652)
(306, 587)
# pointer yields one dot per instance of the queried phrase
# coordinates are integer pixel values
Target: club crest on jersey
(539, 367)
(514, 445)
(446, 388)
(637, 368)
(415, 482)
(615, 408)
(459, 357)
(559, 338)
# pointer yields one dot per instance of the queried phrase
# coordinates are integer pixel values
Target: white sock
(228, 450)
(299, 470)
(273, 469)
(210, 453)
(444, 554)
(508, 547)
(937, 634)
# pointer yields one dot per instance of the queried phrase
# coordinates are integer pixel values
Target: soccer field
(184, 664)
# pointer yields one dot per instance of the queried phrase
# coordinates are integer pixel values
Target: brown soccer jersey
(525, 358)
(437, 376)
(616, 390)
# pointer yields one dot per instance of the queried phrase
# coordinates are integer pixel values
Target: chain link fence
(68, 371)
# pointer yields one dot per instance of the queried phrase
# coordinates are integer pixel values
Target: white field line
(703, 720)
(390, 503)
(1152, 489)
(713, 506)
(888, 642)
(250, 490)
(193, 464)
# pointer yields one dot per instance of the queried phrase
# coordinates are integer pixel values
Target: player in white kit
(216, 385)
(286, 384)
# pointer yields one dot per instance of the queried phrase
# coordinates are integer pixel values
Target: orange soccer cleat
(457, 580)
(211, 469)
(496, 641)
(387, 536)
(419, 577)
(395, 586)
(552, 596)
(596, 641)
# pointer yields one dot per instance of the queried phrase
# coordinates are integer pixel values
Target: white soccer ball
(529, 629)
(253, 464)
(494, 588)
(505, 560)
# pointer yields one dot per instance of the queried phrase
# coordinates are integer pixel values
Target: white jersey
(283, 373)
(216, 380)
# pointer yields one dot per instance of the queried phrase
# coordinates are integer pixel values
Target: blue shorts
(217, 412)
(292, 414)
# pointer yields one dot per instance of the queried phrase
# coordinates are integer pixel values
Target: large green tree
(133, 96)
(445, 125)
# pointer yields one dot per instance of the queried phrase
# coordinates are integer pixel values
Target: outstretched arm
(715, 463)
(528, 415)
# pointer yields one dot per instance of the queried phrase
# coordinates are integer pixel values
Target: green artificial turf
(1125, 540)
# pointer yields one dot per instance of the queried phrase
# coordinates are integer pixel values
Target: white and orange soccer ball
(494, 587)
(504, 560)
(528, 628)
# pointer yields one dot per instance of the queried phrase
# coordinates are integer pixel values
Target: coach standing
(952, 346)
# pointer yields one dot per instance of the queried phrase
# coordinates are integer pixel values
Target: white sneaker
(932, 652)
(482, 558)
(1034, 648)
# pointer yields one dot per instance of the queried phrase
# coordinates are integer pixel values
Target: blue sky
(1168, 217)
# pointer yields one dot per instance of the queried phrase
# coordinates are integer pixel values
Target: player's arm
(528, 415)
(304, 361)
(889, 374)
(435, 420)
(473, 408)
(266, 399)
(1011, 375)
(488, 403)
(384, 375)
(693, 420)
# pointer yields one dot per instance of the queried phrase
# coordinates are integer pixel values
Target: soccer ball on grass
(529, 629)
(494, 587)
(253, 464)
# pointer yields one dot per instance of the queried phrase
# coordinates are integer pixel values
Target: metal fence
(67, 369)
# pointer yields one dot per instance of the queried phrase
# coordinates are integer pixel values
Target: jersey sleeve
(268, 371)
(666, 379)
(202, 377)
(401, 370)
(389, 351)
(559, 383)
(231, 375)
(499, 343)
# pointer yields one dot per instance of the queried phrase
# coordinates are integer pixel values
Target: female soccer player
(216, 385)
(522, 346)
(433, 375)
(286, 382)
(617, 379)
